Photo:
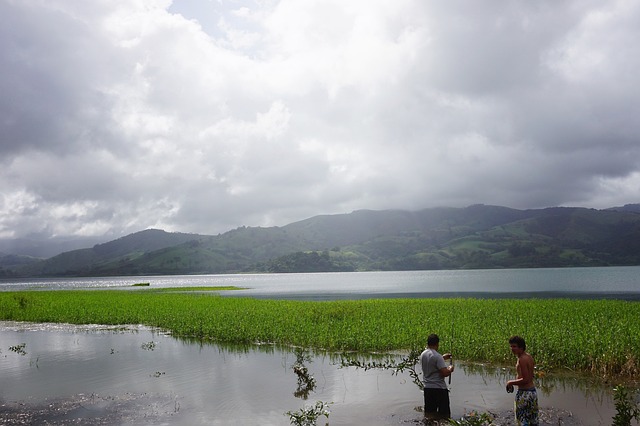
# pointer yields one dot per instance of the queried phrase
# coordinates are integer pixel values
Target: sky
(205, 115)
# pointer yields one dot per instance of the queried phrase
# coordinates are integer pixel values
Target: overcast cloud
(202, 116)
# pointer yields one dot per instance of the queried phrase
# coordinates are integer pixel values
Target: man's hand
(509, 388)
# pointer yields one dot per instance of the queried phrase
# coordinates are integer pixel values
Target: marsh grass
(597, 336)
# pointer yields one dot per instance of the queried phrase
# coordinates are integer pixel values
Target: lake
(68, 374)
(140, 376)
(591, 283)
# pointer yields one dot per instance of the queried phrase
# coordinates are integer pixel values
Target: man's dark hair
(433, 340)
(519, 341)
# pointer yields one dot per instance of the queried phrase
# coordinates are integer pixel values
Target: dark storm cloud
(122, 115)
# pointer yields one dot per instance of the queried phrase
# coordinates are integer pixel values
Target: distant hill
(633, 208)
(86, 261)
(15, 259)
(478, 236)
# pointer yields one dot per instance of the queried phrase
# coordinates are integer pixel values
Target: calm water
(155, 379)
(152, 378)
(610, 282)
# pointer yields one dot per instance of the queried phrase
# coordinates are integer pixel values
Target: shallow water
(169, 381)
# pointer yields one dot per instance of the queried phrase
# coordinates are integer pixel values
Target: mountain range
(478, 236)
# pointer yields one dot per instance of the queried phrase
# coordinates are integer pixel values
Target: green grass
(597, 336)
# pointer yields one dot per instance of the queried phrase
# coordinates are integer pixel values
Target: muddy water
(71, 374)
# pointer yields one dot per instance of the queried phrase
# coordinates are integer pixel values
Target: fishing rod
(451, 349)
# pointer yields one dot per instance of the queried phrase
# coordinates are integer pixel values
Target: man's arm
(446, 371)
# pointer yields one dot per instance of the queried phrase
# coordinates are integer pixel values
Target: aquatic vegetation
(309, 415)
(148, 346)
(594, 336)
(19, 349)
(306, 381)
(627, 408)
(407, 363)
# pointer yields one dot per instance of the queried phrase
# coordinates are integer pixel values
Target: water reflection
(306, 382)
(148, 374)
(547, 384)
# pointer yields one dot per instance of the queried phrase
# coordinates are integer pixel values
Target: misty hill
(627, 208)
(477, 236)
(39, 248)
(84, 261)
(13, 261)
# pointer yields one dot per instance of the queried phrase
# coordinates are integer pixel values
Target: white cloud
(200, 117)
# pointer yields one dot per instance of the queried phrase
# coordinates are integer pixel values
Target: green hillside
(89, 261)
(477, 236)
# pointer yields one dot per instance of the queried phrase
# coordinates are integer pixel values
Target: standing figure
(434, 370)
(526, 404)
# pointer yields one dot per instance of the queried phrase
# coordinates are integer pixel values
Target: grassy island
(600, 337)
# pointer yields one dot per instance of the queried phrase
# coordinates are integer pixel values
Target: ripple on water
(253, 385)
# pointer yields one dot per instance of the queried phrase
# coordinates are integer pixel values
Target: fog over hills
(477, 236)
(46, 247)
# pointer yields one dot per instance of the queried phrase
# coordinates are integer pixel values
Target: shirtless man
(526, 404)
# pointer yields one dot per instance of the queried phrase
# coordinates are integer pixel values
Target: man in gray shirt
(434, 370)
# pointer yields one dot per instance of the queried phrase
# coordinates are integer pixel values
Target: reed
(597, 336)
